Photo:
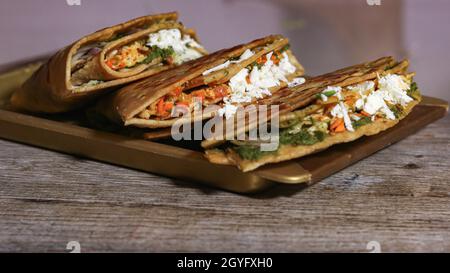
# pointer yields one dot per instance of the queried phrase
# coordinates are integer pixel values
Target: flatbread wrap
(106, 59)
(342, 106)
(221, 79)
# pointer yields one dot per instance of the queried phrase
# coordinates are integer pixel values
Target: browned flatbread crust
(97, 68)
(50, 89)
(124, 105)
(157, 134)
(289, 99)
(218, 156)
(287, 152)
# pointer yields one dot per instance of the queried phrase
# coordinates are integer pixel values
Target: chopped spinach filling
(413, 91)
(304, 137)
(397, 110)
(258, 65)
(301, 138)
(327, 93)
(158, 52)
(249, 152)
(361, 122)
(390, 67)
(285, 48)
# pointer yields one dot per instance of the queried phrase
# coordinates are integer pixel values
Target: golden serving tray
(63, 133)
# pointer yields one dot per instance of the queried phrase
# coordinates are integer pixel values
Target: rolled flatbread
(342, 106)
(211, 80)
(107, 59)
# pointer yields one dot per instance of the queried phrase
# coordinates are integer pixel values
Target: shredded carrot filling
(275, 58)
(127, 56)
(162, 108)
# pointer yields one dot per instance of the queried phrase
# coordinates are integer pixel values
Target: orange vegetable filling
(127, 56)
(162, 108)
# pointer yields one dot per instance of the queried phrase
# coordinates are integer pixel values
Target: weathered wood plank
(399, 197)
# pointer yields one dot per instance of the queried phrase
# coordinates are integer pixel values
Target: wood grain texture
(399, 197)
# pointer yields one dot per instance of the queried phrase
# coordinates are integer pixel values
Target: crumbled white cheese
(355, 117)
(393, 88)
(187, 55)
(267, 76)
(347, 121)
(337, 111)
(228, 111)
(183, 45)
(247, 85)
(362, 87)
(247, 54)
(285, 65)
(387, 112)
(323, 97)
(296, 81)
(341, 111)
(375, 103)
(238, 84)
(359, 104)
(216, 68)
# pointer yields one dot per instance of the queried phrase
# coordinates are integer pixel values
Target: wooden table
(399, 197)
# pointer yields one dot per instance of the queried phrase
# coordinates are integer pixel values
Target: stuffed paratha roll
(106, 59)
(343, 106)
(242, 74)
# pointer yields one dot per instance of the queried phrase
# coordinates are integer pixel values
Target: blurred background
(324, 34)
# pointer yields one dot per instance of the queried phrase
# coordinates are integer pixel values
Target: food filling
(250, 83)
(168, 45)
(341, 109)
(87, 52)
